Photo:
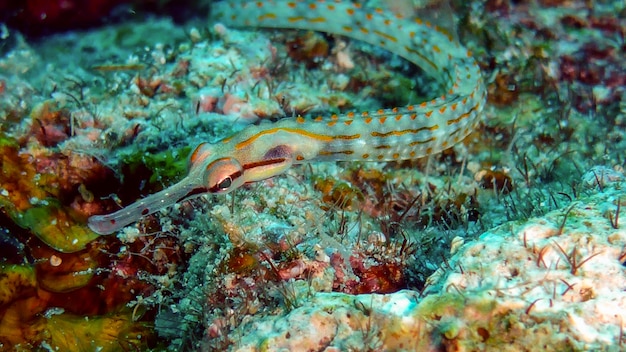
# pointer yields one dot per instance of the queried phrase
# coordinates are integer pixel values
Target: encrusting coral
(555, 281)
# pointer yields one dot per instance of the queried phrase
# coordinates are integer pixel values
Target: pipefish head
(217, 172)
(223, 167)
(211, 170)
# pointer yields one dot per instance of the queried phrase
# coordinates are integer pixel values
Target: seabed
(512, 240)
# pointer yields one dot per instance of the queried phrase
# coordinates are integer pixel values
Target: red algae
(310, 48)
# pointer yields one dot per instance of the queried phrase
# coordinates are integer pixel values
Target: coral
(497, 180)
(41, 304)
(503, 91)
(553, 281)
(73, 273)
(337, 322)
(561, 266)
(63, 231)
(50, 125)
(110, 332)
(26, 321)
(310, 48)
(29, 196)
(376, 268)
(338, 194)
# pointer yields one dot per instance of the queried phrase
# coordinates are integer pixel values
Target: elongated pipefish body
(260, 152)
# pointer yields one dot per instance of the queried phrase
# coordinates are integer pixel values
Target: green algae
(30, 203)
(25, 324)
(112, 332)
(165, 167)
(57, 226)
(13, 280)
(6, 141)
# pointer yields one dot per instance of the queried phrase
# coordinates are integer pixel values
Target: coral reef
(504, 242)
(555, 281)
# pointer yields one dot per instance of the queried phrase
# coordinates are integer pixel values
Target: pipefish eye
(225, 183)
(224, 175)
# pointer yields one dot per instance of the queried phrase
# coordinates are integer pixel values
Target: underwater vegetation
(512, 238)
